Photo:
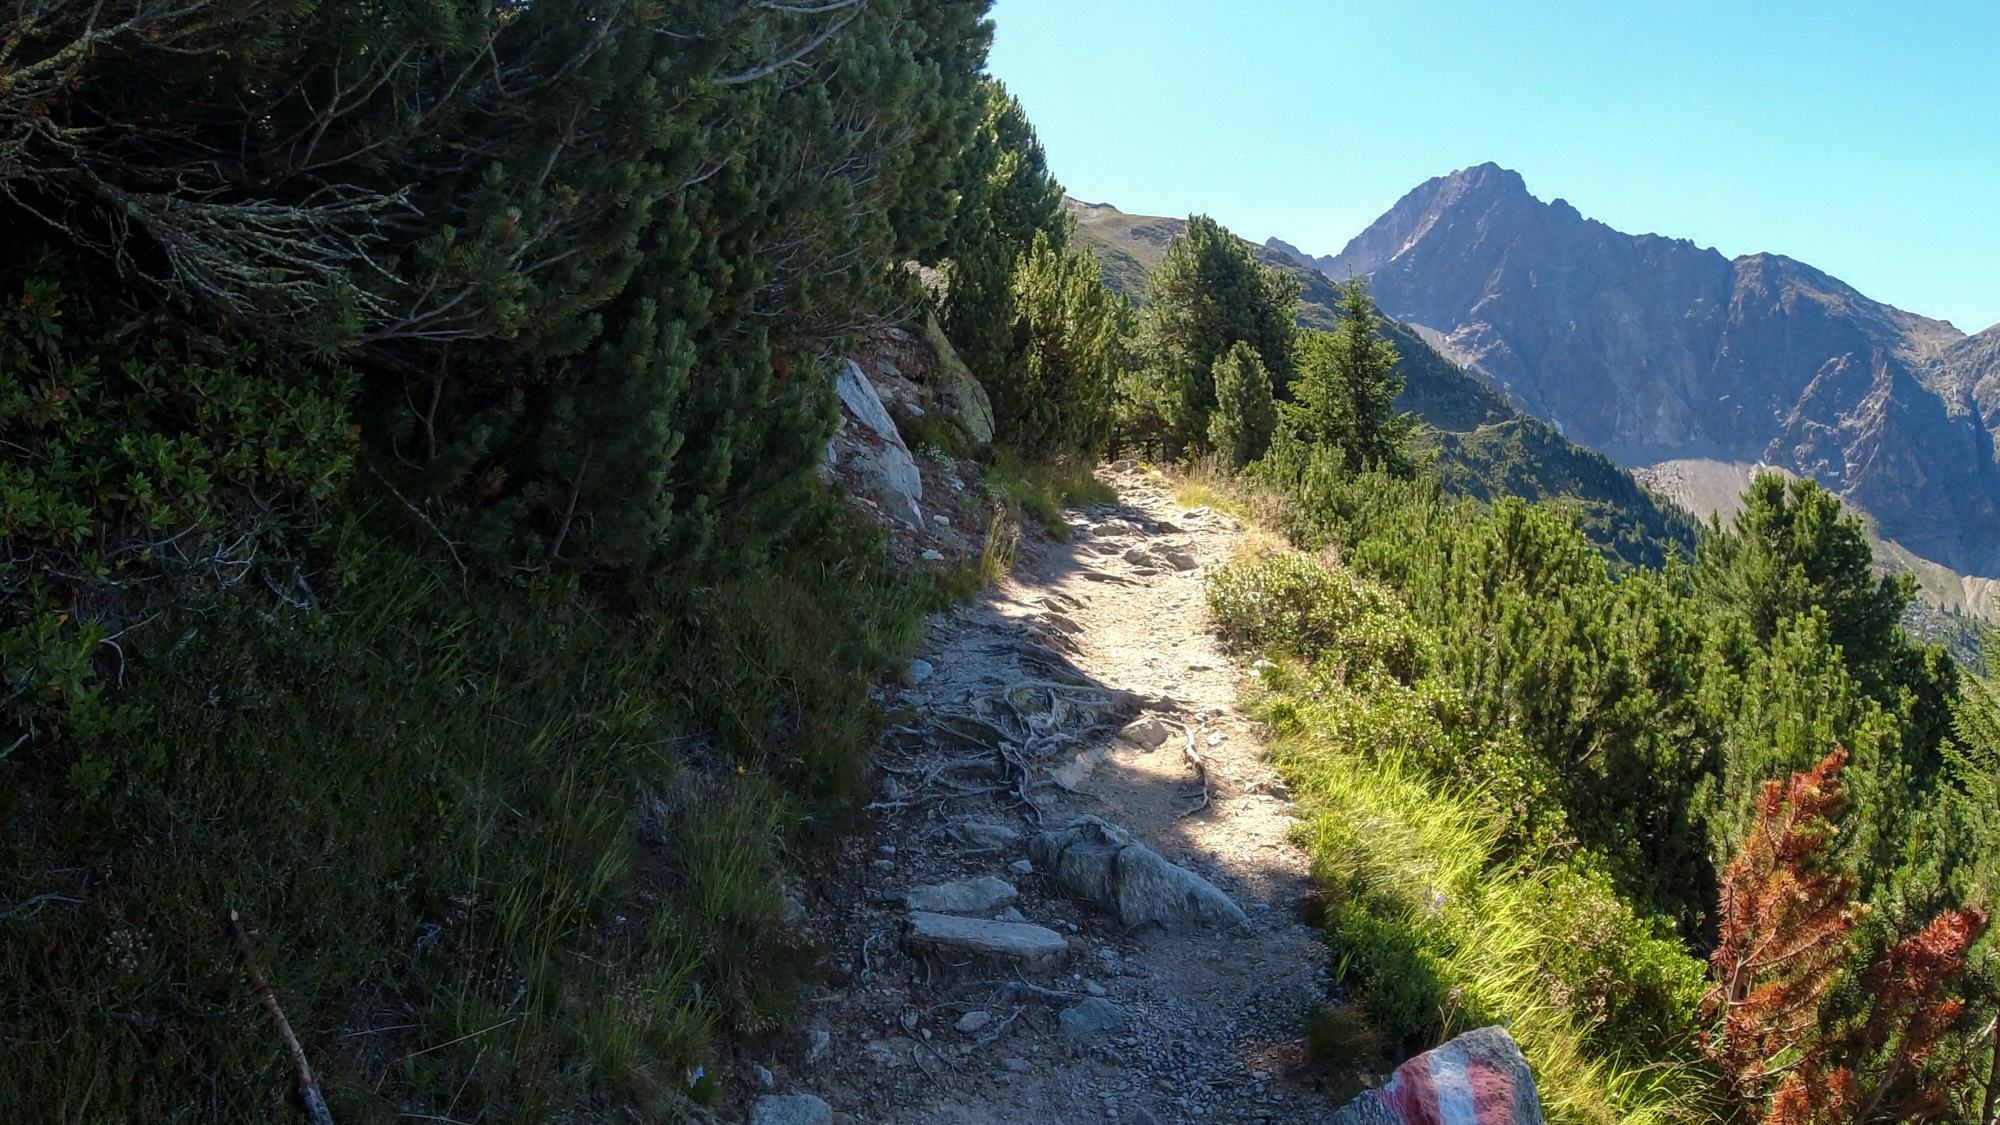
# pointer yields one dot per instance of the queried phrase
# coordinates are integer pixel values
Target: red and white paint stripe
(1448, 1087)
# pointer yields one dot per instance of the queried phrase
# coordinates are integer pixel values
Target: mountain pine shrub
(1071, 330)
(1239, 429)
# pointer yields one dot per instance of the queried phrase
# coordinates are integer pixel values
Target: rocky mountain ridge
(1653, 349)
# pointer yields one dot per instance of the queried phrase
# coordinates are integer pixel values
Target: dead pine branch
(301, 1070)
(1194, 759)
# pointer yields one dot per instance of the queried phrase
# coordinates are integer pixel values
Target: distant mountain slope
(1972, 369)
(1486, 448)
(1652, 349)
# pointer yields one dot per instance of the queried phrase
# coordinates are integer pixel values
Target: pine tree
(1239, 429)
(1208, 295)
(1367, 371)
(1009, 199)
(1071, 331)
(1793, 547)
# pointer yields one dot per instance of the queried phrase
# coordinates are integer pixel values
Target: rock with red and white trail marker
(1479, 1078)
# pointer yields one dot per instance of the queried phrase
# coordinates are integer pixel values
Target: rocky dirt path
(1085, 684)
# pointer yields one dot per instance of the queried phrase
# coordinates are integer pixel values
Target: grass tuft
(1043, 489)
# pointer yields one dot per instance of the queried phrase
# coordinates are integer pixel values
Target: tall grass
(512, 853)
(1409, 866)
(1044, 488)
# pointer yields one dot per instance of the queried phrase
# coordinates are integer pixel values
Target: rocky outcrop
(1653, 349)
(1479, 1078)
(870, 445)
(1972, 368)
(958, 392)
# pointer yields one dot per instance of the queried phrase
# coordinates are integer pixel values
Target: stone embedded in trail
(979, 834)
(1092, 1017)
(918, 672)
(1479, 1078)
(1014, 941)
(1181, 560)
(962, 896)
(1101, 862)
(1138, 556)
(1147, 730)
(973, 1021)
(791, 1109)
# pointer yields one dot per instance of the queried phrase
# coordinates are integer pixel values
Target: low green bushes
(1439, 916)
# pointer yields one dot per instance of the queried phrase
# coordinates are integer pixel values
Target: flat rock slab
(791, 1109)
(1479, 1078)
(1101, 862)
(983, 895)
(1013, 941)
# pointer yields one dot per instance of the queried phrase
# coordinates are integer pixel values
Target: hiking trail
(1085, 683)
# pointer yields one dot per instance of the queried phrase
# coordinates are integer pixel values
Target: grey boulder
(873, 448)
(791, 1109)
(1480, 1078)
(1147, 730)
(1101, 862)
(959, 392)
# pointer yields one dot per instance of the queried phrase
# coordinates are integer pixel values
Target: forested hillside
(1485, 449)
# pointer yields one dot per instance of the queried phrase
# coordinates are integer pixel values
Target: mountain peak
(1487, 178)
(1468, 192)
(1652, 348)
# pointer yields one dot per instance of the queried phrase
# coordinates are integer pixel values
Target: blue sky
(1861, 138)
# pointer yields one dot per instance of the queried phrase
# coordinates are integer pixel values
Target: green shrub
(1070, 330)
(137, 479)
(1292, 604)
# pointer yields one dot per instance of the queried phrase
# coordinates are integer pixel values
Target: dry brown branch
(301, 1069)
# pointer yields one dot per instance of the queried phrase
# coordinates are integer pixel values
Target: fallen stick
(302, 1071)
(1200, 767)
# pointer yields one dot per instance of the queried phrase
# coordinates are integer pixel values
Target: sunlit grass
(1438, 922)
